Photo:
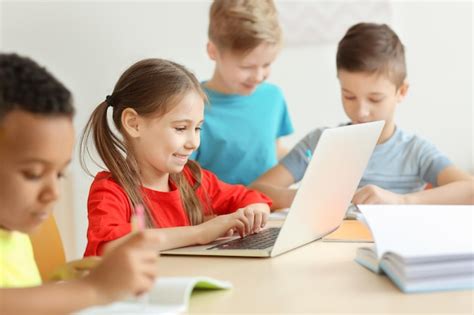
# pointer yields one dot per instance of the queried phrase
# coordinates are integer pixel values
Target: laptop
(320, 203)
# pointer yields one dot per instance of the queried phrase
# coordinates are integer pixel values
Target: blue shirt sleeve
(431, 162)
(286, 126)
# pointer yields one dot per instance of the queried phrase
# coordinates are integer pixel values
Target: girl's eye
(180, 128)
(350, 98)
(376, 101)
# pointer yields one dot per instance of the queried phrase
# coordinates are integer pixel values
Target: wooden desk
(318, 277)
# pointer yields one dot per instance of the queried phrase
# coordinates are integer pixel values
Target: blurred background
(88, 44)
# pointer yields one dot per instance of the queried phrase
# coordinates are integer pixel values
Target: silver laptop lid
(328, 185)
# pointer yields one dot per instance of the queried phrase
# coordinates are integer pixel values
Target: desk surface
(318, 277)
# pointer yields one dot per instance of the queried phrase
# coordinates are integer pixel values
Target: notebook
(320, 204)
(421, 247)
(170, 295)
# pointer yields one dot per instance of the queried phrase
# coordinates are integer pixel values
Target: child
(158, 108)
(372, 74)
(246, 116)
(36, 142)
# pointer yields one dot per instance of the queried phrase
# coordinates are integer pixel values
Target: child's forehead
(33, 136)
(365, 80)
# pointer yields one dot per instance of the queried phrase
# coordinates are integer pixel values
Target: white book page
(421, 230)
(170, 295)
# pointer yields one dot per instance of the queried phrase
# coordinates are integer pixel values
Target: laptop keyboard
(261, 240)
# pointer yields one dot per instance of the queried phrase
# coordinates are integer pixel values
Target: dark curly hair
(27, 86)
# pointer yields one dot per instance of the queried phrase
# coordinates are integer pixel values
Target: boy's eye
(350, 98)
(198, 128)
(376, 100)
(30, 175)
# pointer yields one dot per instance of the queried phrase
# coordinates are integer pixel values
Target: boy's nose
(50, 191)
(363, 111)
(259, 75)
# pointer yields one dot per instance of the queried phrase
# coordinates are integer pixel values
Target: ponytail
(113, 153)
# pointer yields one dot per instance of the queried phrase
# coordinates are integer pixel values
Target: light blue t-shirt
(238, 137)
(403, 164)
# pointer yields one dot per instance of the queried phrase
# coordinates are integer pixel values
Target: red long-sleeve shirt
(109, 209)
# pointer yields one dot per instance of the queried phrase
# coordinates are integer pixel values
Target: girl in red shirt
(158, 109)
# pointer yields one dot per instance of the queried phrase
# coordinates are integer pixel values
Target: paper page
(421, 230)
(170, 295)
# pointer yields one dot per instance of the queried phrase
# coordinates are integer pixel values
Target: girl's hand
(248, 220)
(257, 217)
(371, 194)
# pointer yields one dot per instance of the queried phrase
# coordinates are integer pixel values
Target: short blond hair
(242, 25)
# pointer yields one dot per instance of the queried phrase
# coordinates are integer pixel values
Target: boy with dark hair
(372, 73)
(36, 142)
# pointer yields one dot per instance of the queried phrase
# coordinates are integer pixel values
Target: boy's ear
(131, 122)
(212, 50)
(402, 91)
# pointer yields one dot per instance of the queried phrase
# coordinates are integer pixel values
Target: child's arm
(274, 183)
(128, 269)
(454, 187)
(281, 150)
(208, 231)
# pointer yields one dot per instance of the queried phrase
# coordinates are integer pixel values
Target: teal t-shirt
(238, 137)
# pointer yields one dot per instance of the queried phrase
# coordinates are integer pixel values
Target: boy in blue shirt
(372, 74)
(246, 116)
(36, 143)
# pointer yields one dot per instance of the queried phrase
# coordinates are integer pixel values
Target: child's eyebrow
(186, 121)
(42, 161)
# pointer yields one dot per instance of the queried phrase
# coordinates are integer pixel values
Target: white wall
(88, 44)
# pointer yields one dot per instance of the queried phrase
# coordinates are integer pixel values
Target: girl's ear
(131, 122)
(402, 91)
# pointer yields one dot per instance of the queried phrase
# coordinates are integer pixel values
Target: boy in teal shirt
(246, 116)
(36, 143)
(372, 73)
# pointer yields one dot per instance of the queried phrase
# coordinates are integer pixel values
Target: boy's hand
(75, 269)
(371, 194)
(129, 268)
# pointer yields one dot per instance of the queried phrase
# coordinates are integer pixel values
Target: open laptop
(320, 204)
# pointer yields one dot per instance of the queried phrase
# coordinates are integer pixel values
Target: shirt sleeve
(109, 215)
(224, 198)
(286, 126)
(297, 160)
(432, 162)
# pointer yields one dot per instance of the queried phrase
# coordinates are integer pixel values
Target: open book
(170, 295)
(421, 247)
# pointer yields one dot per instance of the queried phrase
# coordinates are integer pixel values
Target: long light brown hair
(150, 87)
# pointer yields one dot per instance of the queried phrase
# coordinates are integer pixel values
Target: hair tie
(108, 100)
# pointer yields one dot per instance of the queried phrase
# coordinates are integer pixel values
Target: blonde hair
(150, 87)
(242, 25)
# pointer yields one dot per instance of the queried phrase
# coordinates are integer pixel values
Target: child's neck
(216, 84)
(156, 182)
(387, 133)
